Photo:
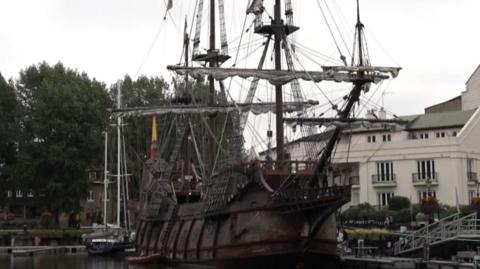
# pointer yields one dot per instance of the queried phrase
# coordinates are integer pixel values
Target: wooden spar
(321, 121)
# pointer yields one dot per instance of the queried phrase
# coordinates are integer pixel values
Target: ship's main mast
(277, 27)
(213, 63)
(214, 58)
(279, 30)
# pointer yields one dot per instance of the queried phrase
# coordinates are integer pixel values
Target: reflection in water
(84, 261)
(79, 261)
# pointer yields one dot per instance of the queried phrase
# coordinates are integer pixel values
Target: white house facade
(437, 151)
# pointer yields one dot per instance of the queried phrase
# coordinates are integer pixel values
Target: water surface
(77, 261)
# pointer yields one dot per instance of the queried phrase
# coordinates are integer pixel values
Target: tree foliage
(63, 114)
(8, 133)
(143, 91)
(398, 203)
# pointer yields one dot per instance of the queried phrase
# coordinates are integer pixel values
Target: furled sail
(255, 108)
(344, 123)
(281, 77)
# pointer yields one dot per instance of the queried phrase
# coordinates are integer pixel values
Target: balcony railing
(423, 178)
(384, 179)
(354, 180)
(472, 177)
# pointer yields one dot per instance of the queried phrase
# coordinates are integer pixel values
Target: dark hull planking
(251, 227)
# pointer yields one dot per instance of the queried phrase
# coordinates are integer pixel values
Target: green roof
(438, 120)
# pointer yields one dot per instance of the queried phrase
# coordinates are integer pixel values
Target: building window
(440, 134)
(19, 194)
(471, 195)
(30, 194)
(9, 194)
(384, 198)
(91, 176)
(371, 139)
(355, 198)
(426, 170)
(424, 194)
(454, 133)
(471, 174)
(385, 172)
(90, 196)
(387, 137)
(423, 135)
(470, 165)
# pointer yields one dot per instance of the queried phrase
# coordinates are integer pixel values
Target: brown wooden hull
(249, 229)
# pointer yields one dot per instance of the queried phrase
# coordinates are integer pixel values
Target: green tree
(9, 132)
(141, 92)
(63, 114)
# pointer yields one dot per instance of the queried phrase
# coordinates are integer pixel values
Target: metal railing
(472, 177)
(354, 180)
(365, 252)
(384, 179)
(450, 228)
(425, 177)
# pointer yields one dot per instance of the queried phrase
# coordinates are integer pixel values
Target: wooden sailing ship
(201, 211)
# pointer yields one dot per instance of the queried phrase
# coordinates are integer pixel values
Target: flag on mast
(169, 6)
(153, 146)
(256, 7)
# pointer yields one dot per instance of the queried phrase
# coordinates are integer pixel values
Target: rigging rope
(336, 26)
(342, 57)
(197, 151)
(308, 74)
(160, 28)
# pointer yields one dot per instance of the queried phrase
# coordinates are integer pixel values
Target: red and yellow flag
(153, 146)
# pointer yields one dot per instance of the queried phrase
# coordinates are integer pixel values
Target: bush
(403, 216)
(466, 210)
(397, 203)
(446, 211)
(46, 220)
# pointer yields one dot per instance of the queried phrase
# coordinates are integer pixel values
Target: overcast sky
(435, 41)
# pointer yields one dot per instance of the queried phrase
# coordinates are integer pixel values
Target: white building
(441, 146)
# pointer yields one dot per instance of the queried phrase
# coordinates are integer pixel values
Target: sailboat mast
(211, 95)
(119, 172)
(278, 89)
(105, 180)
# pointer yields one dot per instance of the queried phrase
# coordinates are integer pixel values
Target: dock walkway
(452, 228)
(34, 250)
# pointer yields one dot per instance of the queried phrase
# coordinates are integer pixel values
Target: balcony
(354, 181)
(421, 179)
(472, 178)
(384, 180)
